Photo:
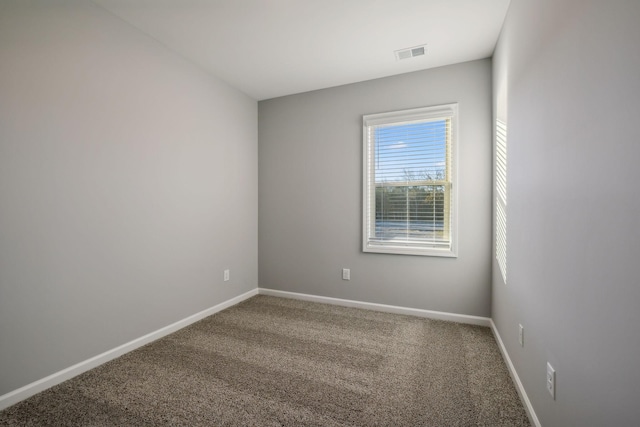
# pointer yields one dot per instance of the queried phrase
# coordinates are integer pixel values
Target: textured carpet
(278, 362)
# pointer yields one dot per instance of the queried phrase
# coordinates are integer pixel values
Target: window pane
(411, 152)
(411, 212)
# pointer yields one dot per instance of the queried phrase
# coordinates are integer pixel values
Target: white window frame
(368, 216)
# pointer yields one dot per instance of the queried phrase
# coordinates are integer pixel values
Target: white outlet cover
(551, 380)
(346, 274)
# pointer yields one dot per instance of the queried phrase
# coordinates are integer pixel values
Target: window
(409, 187)
(501, 197)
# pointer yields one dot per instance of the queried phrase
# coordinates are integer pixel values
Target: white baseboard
(440, 315)
(533, 418)
(22, 393)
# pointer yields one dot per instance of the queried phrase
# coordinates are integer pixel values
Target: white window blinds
(501, 199)
(408, 183)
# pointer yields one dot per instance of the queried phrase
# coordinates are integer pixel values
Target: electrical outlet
(346, 274)
(521, 335)
(226, 275)
(551, 380)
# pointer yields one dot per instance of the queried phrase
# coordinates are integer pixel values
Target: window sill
(404, 250)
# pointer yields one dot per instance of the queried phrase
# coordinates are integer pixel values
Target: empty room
(319, 213)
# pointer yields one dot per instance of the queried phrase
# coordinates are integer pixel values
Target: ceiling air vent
(410, 52)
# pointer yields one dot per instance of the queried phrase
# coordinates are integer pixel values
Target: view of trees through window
(416, 212)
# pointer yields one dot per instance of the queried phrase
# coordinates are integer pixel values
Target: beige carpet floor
(278, 362)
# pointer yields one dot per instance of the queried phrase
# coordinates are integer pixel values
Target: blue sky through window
(411, 152)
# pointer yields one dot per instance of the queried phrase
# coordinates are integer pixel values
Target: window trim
(368, 191)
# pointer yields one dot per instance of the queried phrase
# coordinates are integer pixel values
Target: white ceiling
(271, 48)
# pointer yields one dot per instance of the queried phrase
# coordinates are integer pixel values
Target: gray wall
(128, 182)
(310, 194)
(567, 79)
